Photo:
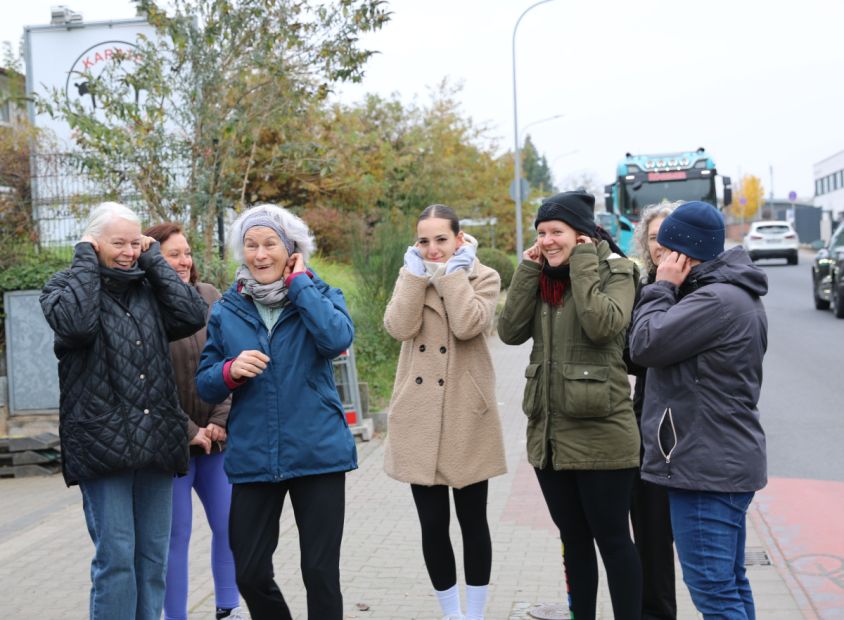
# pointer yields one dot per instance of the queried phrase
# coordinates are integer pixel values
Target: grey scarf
(273, 295)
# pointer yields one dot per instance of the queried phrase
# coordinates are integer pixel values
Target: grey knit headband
(262, 219)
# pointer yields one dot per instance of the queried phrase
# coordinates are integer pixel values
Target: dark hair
(162, 232)
(441, 212)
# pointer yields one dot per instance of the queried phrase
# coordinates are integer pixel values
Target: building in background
(62, 58)
(829, 191)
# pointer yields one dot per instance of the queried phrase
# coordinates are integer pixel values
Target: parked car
(828, 274)
(772, 239)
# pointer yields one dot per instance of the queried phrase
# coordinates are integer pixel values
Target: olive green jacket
(577, 394)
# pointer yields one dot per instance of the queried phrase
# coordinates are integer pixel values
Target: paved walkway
(45, 550)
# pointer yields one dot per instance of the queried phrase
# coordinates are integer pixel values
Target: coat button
(421, 348)
(585, 372)
(146, 411)
(440, 382)
(127, 314)
(142, 377)
(443, 349)
(138, 342)
(418, 380)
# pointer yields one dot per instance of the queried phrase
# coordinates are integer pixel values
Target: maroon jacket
(185, 354)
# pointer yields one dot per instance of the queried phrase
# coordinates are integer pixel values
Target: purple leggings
(206, 475)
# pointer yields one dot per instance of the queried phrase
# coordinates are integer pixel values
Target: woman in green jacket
(573, 294)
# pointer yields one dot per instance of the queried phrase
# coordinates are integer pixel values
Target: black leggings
(434, 514)
(592, 507)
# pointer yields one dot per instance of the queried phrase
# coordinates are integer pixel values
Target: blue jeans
(709, 533)
(128, 517)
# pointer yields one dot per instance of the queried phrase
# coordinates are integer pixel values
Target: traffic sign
(525, 189)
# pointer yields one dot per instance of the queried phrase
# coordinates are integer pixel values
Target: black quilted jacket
(119, 407)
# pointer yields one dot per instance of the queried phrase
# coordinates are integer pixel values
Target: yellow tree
(749, 197)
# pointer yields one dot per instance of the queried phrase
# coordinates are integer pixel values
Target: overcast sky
(757, 83)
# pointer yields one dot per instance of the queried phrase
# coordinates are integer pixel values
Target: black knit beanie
(577, 209)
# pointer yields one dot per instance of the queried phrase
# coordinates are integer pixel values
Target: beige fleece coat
(444, 426)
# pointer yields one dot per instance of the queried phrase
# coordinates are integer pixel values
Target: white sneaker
(235, 614)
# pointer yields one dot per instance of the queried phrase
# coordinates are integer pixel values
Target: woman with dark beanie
(701, 331)
(573, 295)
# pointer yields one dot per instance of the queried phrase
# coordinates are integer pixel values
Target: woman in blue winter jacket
(271, 341)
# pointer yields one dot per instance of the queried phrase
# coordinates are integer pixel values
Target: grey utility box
(31, 365)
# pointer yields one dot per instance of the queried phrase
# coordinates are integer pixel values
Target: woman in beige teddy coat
(444, 428)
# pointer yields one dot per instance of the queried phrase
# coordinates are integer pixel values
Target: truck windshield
(654, 193)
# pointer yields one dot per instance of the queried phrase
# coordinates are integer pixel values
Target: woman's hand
(146, 242)
(581, 239)
(202, 440)
(295, 264)
(92, 241)
(248, 364)
(533, 254)
(674, 267)
(215, 433)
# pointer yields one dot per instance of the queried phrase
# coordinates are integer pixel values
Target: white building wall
(829, 190)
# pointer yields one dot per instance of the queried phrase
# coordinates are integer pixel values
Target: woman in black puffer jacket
(122, 431)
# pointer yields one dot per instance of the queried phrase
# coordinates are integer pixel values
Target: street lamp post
(541, 120)
(517, 173)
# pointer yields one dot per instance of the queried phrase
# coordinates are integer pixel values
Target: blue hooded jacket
(288, 421)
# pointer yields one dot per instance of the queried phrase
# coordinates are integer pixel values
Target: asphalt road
(802, 403)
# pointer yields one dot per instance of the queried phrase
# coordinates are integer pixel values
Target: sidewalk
(45, 551)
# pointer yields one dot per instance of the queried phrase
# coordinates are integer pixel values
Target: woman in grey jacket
(701, 330)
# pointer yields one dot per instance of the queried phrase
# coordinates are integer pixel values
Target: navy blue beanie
(577, 209)
(695, 229)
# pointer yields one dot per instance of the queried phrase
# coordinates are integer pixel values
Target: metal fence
(64, 192)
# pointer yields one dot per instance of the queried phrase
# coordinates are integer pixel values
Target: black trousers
(434, 515)
(319, 508)
(651, 519)
(591, 507)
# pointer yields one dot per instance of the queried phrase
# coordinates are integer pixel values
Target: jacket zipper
(257, 322)
(667, 456)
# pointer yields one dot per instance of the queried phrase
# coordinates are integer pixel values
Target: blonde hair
(294, 227)
(649, 214)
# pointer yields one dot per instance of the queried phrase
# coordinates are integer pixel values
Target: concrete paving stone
(43, 538)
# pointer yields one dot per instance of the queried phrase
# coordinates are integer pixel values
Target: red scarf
(552, 291)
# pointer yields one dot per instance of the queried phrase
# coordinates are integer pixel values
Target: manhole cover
(550, 611)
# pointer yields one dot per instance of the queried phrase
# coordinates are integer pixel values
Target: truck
(643, 180)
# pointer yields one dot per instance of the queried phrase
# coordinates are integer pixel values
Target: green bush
(376, 261)
(498, 260)
(31, 272)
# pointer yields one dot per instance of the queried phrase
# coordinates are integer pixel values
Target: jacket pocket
(473, 395)
(586, 390)
(332, 402)
(532, 400)
(103, 442)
